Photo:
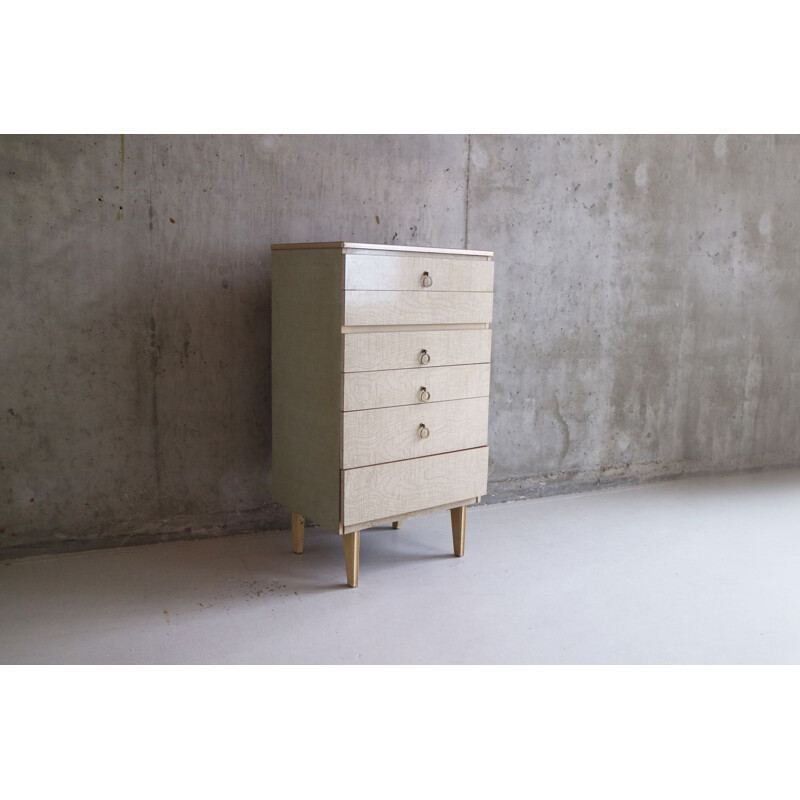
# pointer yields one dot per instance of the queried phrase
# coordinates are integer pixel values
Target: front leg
(458, 520)
(351, 547)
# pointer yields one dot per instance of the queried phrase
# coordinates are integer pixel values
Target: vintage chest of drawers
(380, 385)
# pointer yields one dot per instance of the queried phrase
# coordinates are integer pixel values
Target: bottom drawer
(401, 487)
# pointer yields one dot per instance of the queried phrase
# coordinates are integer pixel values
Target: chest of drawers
(380, 385)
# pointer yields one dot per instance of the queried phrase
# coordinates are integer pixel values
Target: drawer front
(378, 492)
(404, 349)
(404, 387)
(392, 434)
(418, 273)
(416, 308)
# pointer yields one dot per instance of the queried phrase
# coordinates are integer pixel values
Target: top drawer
(425, 274)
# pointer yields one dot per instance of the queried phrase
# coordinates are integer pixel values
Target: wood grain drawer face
(402, 350)
(404, 387)
(393, 434)
(418, 273)
(416, 308)
(377, 492)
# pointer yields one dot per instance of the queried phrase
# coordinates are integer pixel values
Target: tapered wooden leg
(298, 532)
(458, 519)
(351, 543)
(397, 524)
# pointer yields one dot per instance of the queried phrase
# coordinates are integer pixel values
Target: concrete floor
(701, 570)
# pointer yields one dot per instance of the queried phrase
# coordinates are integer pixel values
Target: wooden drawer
(418, 273)
(416, 308)
(383, 491)
(393, 434)
(404, 387)
(402, 349)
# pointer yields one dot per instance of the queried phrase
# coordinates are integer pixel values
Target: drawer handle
(423, 432)
(426, 280)
(424, 358)
(424, 394)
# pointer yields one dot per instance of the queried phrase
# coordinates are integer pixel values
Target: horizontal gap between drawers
(406, 405)
(418, 366)
(402, 328)
(415, 458)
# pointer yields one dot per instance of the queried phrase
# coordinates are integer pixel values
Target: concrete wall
(646, 316)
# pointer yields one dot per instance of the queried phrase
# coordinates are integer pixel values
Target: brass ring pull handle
(426, 280)
(424, 358)
(424, 394)
(423, 432)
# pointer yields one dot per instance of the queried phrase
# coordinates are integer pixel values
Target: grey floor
(703, 570)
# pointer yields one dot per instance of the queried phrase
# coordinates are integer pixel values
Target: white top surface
(362, 246)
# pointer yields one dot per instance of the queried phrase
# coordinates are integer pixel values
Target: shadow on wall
(131, 406)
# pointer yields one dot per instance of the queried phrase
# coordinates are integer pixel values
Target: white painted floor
(696, 571)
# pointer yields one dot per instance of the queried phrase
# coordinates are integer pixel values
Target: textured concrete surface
(646, 314)
(647, 307)
(693, 571)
